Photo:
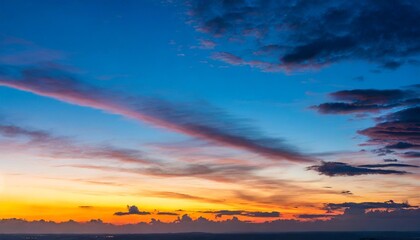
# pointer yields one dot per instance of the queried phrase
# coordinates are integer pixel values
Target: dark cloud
(334, 169)
(298, 34)
(222, 213)
(411, 155)
(390, 160)
(396, 217)
(367, 100)
(315, 216)
(398, 165)
(131, 210)
(399, 130)
(395, 131)
(197, 120)
(402, 145)
(86, 207)
(168, 213)
(346, 192)
(367, 205)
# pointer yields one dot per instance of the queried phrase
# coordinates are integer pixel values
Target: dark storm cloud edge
(356, 217)
(196, 120)
(281, 35)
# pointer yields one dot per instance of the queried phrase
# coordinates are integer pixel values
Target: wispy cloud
(65, 147)
(200, 121)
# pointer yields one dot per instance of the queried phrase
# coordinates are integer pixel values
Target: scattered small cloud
(131, 210)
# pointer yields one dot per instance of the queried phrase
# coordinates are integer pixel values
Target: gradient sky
(260, 110)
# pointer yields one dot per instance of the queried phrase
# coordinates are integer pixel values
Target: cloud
(395, 217)
(395, 131)
(299, 34)
(131, 210)
(333, 169)
(64, 147)
(168, 213)
(86, 207)
(367, 205)
(184, 196)
(222, 213)
(390, 160)
(399, 130)
(200, 121)
(368, 100)
(411, 154)
(315, 216)
(388, 165)
(346, 192)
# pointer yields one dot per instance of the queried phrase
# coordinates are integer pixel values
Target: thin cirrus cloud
(275, 33)
(203, 122)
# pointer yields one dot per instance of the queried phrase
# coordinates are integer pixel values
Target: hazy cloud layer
(276, 34)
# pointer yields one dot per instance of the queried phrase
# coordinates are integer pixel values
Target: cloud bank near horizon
(397, 131)
(356, 217)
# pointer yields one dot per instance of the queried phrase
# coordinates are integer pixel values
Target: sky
(165, 116)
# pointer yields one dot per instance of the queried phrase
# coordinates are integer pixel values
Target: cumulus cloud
(200, 121)
(131, 210)
(333, 169)
(298, 34)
